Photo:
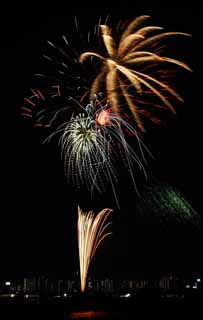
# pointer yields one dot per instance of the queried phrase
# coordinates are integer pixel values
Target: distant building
(169, 282)
(47, 285)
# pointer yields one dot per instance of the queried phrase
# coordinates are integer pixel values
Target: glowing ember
(103, 118)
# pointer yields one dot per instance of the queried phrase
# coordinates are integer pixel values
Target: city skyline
(45, 281)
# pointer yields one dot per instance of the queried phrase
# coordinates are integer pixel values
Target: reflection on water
(87, 315)
(93, 315)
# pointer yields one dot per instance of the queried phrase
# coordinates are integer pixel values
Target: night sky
(39, 209)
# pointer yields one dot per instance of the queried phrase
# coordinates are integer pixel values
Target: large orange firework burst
(134, 68)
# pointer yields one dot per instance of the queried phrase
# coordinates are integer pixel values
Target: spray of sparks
(92, 141)
(92, 230)
(166, 202)
(134, 68)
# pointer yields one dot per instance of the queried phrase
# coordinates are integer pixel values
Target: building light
(7, 283)
(127, 295)
(198, 280)
(12, 295)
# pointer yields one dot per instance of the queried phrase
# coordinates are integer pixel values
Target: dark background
(39, 210)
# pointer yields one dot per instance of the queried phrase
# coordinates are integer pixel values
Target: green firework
(166, 203)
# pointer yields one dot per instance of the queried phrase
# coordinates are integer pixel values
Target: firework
(93, 139)
(60, 69)
(92, 230)
(134, 67)
(166, 202)
(47, 107)
(91, 143)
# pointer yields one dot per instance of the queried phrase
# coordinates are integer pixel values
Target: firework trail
(48, 108)
(60, 70)
(92, 141)
(134, 69)
(92, 230)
